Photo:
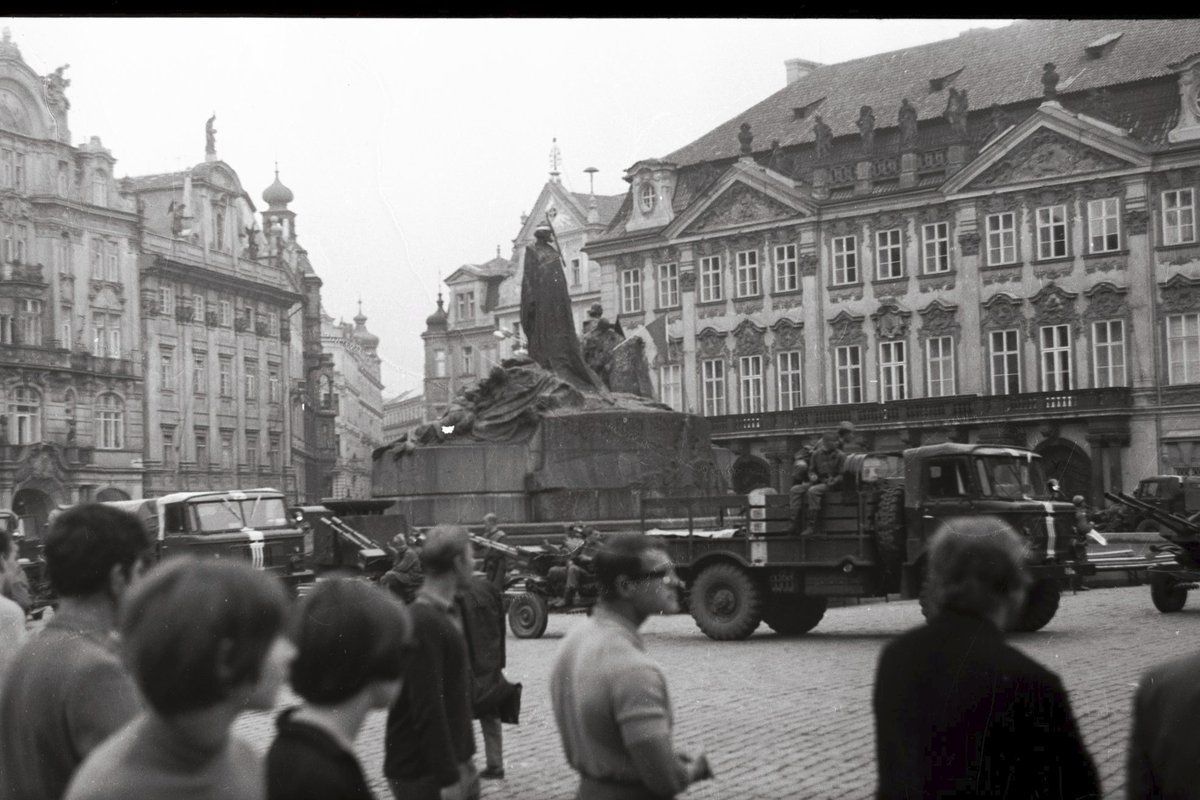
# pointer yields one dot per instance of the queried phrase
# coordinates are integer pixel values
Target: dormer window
(100, 188)
(1099, 47)
(939, 83)
(646, 197)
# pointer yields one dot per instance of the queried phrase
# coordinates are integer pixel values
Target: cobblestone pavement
(791, 718)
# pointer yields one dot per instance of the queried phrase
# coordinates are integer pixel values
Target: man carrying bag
(494, 699)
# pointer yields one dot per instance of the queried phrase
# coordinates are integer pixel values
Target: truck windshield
(221, 514)
(1011, 477)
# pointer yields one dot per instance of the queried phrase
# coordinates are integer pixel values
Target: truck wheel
(725, 602)
(1166, 594)
(889, 530)
(1041, 605)
(1149, 526)
(792, 616)
(528, 616)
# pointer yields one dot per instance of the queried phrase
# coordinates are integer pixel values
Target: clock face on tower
(646, 198)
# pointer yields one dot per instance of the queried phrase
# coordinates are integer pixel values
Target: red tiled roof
(1001, 66)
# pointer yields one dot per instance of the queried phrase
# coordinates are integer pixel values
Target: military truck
(749, 564)
(1169, 494)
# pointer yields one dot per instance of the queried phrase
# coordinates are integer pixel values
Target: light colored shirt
(12, 633)
(147, 759)
(607, 694)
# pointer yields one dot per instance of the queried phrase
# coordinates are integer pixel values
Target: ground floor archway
(110, 494)
(750, 472)
(1070, 464)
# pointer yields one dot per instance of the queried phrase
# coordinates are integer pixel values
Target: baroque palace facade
(991, 238)
(153, 337)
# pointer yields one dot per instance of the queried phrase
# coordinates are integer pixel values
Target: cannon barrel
(1181, 526)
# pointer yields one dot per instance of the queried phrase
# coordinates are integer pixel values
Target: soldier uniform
(825, 470)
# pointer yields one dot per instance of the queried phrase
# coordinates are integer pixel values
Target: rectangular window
(96, 263)
(166, 300)
(1052, 232)
(114, 337)
(65, 330)
(893, 371)
(1183, 348)
(1002, 238)
(250, 371)
(1006, 362)
(747, 273)
(227, 449)
(112, 262)
(202, 449)
(29, 322)
(198, 307)
(791, 387)
(19, 172)
(226, 315)
(889, 254)
(252, 450)
(63, 255)
(670, 386)
(787, 273)
(935, 244)
(1104, 225)
(22, 244)
(1108, 346)
(848, 374)
(465, 305)
(575, 272)
(750, 384)
(166, 369)
(631, 291)
(6, 169)
(273, 452)
(199, 373)
(6, 329)
(711, 288)
(168, 446)
(713, 383)
(64, 178)
(668, 285)
(225, 364)
(468, 361)
(273, 324)
(1056, 357)
(845, 260)
(439, 363)
(273, 385)
(1179, 217)
(939, 366)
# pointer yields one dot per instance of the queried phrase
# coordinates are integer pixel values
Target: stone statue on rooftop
(745, 138)
(908, 124)
(866, 126)
(823, 135)
(1049, 82)
(210, 135)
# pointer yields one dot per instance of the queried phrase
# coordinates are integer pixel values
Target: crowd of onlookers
(131, 689)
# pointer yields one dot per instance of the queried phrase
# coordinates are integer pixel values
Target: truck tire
(725, 602)
(889, 530)
(1041, 604)
(528, 616)
(1149, 526)
(1166, 594)
(793, 616)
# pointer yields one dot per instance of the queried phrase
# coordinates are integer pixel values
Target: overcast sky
(413, 146)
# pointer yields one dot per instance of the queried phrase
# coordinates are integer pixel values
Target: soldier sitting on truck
(582, 544)
(826, 472)
(406, 576)
(800, 485)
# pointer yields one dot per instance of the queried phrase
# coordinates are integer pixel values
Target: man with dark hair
(67, 690)
(960, 713)
(1160, 761)
(204, 640)
(610, 699)
(429, 744)
(353, 644)
(482, 608)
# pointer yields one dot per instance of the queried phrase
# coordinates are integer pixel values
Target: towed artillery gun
(1169, 583)
(752, 566)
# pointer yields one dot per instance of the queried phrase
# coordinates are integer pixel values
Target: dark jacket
(429, 726)
(1162, 755)
(827, 464)
(482, 608)
(958, 712)
(405, 577)
(306, 763)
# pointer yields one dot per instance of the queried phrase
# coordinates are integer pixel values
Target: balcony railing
(954, 410)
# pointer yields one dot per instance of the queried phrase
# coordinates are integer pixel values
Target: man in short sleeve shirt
(610, 698)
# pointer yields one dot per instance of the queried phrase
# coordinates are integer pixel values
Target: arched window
(110, 422)
(25, 410)
(100, 188)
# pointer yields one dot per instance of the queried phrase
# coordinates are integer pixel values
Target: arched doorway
(33, 506)
(1070, 464)
(110, 494)
(750, 472)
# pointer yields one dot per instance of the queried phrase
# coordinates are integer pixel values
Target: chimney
(798, 68)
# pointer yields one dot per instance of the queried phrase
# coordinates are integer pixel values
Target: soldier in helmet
(801, 481)
(846, 440)
(825, 471)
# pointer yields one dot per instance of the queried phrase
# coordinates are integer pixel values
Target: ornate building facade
(989, 238)
(71, 366)
(401, 413)
(359, 400)
(153, 336)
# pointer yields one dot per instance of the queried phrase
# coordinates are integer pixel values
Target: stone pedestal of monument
(585, 465)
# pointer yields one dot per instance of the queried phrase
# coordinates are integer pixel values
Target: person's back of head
(195, 632)
(444, 544)
(621, 554)
(976, 566)
(349, 636)
(87, 542)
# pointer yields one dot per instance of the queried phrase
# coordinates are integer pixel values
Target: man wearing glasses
(610, 698)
